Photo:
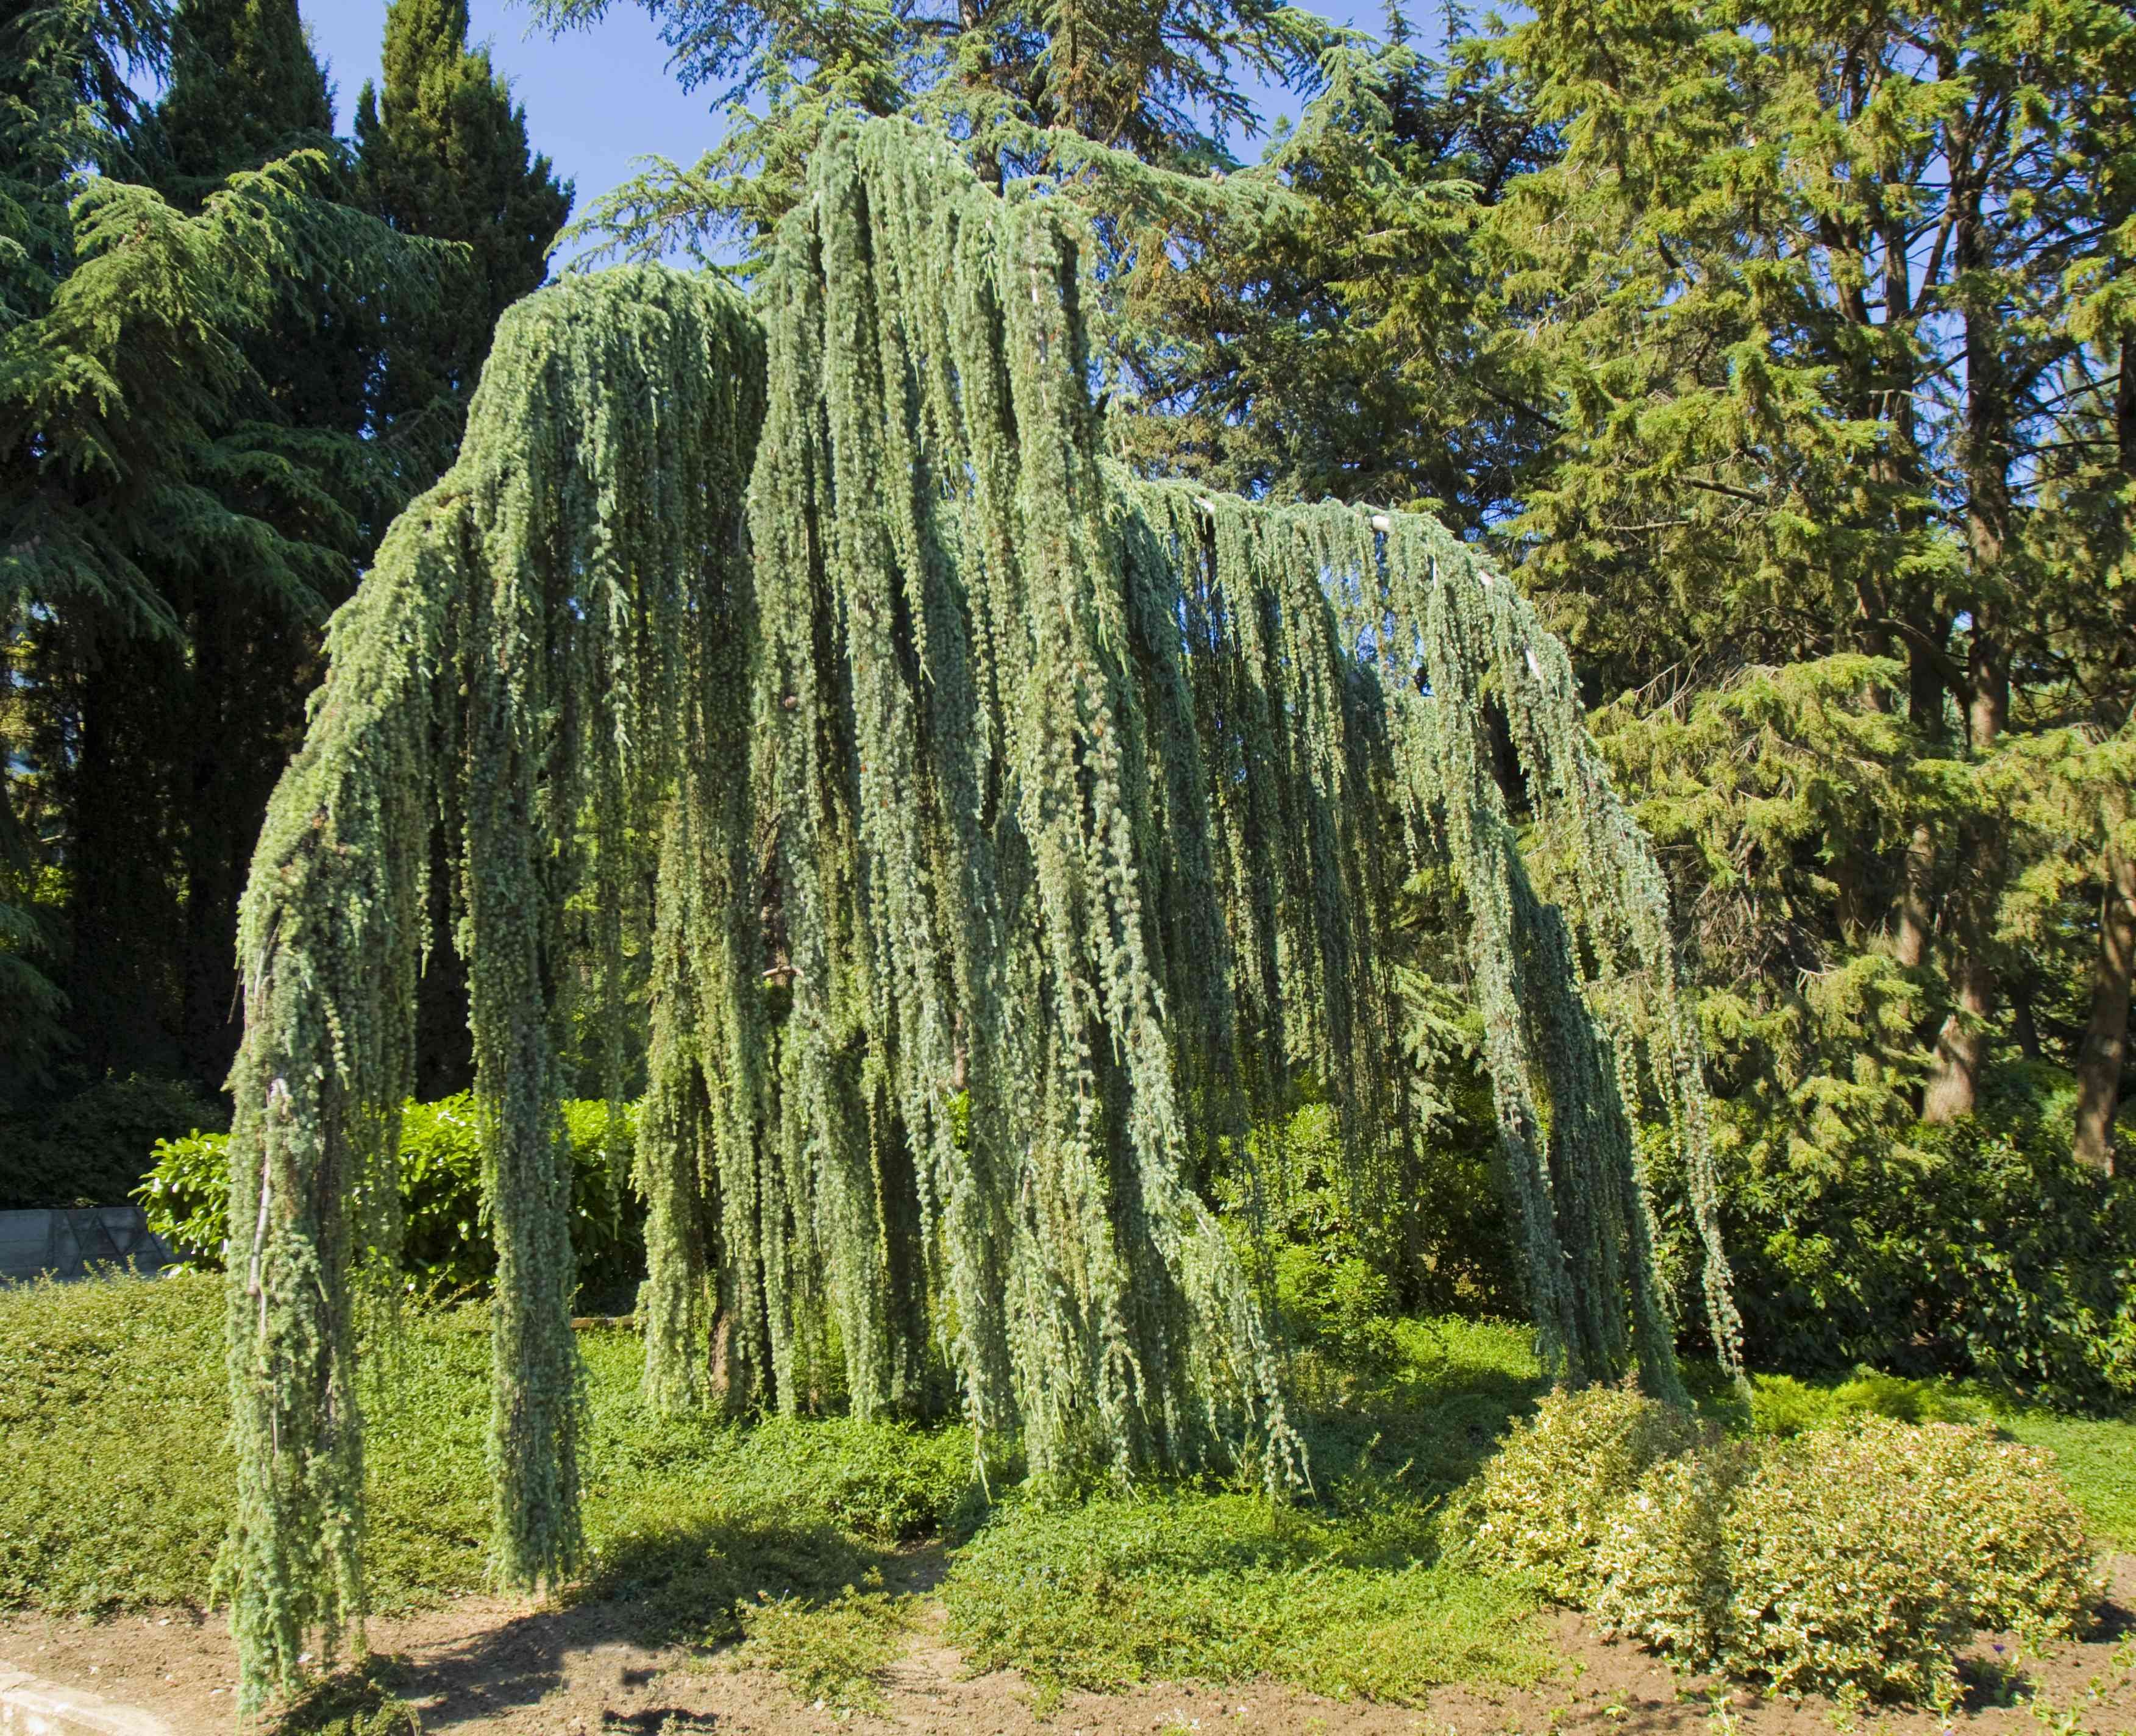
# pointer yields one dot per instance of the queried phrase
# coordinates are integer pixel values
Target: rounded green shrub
(1857, 1558)
(185, 1196)
(1545, 1502)
(1842, 1571)
(446, 1245)
(1662, 1566)
(2006, 1513)
(1981, 1247)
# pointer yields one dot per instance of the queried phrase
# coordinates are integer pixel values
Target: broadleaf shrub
(1542, 1504)
(1840, 1574)
(1855, 1557)
(446, 1245)
(1661, 1568)
(2032, 1568)
(1341, 1311)
(1981, 1247)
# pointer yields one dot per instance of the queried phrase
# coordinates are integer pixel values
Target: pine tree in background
(1342, 343)
(175, 513)
(442, 151)
(1127, 108)
(180, 741)
(159, 731)
(246, 88)
(1831, 317)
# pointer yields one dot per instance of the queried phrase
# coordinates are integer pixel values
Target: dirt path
(487, 1667)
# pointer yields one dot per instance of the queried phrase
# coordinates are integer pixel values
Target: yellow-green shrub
(1544, 1502)
(1662, 1566)
(1842, 1571)
(1859, 1557)
(2008, 1515)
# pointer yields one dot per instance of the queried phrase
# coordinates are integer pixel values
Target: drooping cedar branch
(514, 665)
(1024, 828)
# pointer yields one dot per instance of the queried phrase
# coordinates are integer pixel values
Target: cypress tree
(442, 151)
(245, 88)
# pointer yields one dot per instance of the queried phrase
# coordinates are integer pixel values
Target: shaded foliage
(446, 1249)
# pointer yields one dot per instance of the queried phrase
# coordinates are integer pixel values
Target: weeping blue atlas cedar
(1019, 829)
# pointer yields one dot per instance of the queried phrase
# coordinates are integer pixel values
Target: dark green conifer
(442, 151)
(180, 750)
(170, 520)
(245, 88)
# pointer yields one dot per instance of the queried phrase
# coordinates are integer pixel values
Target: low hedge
(446, 1246)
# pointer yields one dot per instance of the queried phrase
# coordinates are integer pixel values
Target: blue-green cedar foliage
(1024, 829)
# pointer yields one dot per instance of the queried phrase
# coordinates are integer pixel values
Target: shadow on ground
(652, 1589)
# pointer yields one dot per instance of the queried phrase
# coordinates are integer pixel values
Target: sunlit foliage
(1022, 829)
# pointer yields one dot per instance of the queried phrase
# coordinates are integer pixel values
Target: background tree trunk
(1917, 919)
(1961, 1051)
(2106, 1035)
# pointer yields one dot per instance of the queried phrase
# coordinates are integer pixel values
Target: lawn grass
(114, 1424)
(1343, 1594)
(1221, 1588)
(113, 1434)
(2097, 1458)
(113, 1421)
(785, 1534)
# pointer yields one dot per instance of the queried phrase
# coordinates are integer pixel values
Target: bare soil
(485, 1667)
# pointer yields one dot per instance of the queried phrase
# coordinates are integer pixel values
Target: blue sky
(595, 98)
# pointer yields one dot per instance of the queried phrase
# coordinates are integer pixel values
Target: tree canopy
(224, 377)
(1021, 827)
(1023, 729)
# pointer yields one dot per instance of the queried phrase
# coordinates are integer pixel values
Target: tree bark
(1987, 707)
(2024, 1027)
(2104, 1052)
(1961, 1053)
(986, 161)
(1916, 920)
(214, 846)
(252, 666)
(1926, 685)
(1954, 1086)
(2105, 1048)
(444, 1039)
